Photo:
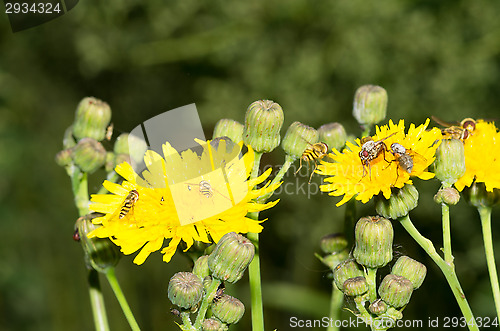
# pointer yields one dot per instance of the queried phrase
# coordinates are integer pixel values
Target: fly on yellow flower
(349, 177)
(482, 157)
(184, 197)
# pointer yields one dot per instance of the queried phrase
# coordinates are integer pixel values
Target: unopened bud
(231, 256)
(263, 121)
(449, 165)
(355, 286)
(130, 145)
(479, 197)
(91, 119)
(373, 238)
(447, 195)
(370, 104)
(89, 155)
(333, 243)
(332, 260)
(298, 137)
(64, 157)
(410, 269)
(229, 128)
(333, 134)
(211, 324)
(200, 268)
(228, 309)
(401, 202)
(344, 271)
(185, 290)
(100, 253)
(395, 290)
(378, 307)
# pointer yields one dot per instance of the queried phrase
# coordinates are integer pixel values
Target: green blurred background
(433, 57)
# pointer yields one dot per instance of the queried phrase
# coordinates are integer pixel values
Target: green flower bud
(64, 157)
(332, 260)
(130, 145)
(120, 158)
(410, 269)
(477, 195)
(229, 128)
(100, 253)
(344, 271)
(333, 134)
(333, 243)
(89, 155)
(378, 307)
(228, 309)
(298, 137)
(231, 256)
(263, 121)
(211, 324)
(200, 268)
(370, 104)
(91, 119)
(185, 290)
(401, 202)
(447, 195)
(355, 286)
(68, 139)
(373, 238)
(449, 165)
(395, 290)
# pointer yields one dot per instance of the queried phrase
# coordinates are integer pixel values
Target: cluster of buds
(82, 141)
(204, 286)
(373, 250)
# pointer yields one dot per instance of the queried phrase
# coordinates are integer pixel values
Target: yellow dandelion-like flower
(181, 197)
(350, 178)
(482, 157)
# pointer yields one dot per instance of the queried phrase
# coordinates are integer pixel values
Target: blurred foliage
(143, 58)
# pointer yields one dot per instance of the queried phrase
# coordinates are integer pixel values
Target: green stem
(366, 131)
(350, 221)
(335, 304)
(79, 185)
(371, 279)
(445, 211)
(110, 275)
(206, 302)
(279, 176)
(186, 321)
(485, 214)
(97, 302)
(254, 267)
(447, 269)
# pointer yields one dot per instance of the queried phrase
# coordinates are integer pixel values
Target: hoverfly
(129, 202)
(462, 131)
(370, 150)
(219, 292)
(205, 189)
(313, 153)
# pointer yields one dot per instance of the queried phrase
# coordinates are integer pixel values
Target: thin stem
(335, 303)
(445, 211)
(279, 176)
(97, 302)
(485, 214)
(79, 185)
(205, 303)
(447, 269)
(186, 321)
(371, 279)
(254, 267)
(110, 275)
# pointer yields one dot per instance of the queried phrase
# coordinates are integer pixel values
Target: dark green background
(433, 57)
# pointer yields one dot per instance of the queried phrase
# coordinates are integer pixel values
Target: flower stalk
(336, 301)
(448, 270)
(485, 215)
(113, 281)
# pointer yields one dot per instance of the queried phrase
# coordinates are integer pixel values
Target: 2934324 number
(34, 8)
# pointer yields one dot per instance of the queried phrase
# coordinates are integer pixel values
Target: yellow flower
(181, 197)
(482, 153)
(348, 177)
